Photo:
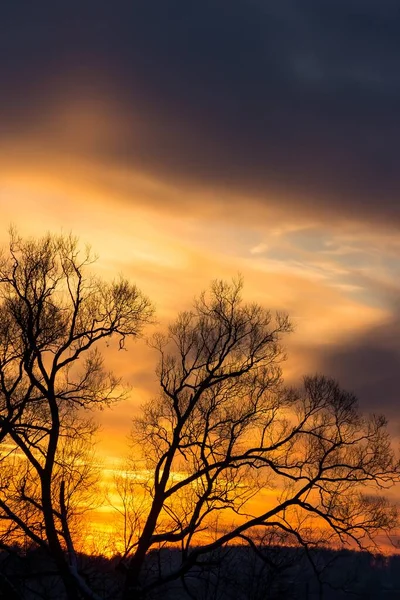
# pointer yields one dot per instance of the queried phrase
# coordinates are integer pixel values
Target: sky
(188, 141)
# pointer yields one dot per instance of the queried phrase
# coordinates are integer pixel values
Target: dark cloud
(297, 99)
(369, 365)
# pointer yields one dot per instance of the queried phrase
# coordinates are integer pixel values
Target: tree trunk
(132, 588)
(55, 548)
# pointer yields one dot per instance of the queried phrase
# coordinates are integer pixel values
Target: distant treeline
(233, 573)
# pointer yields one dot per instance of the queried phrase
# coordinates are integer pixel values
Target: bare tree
(224, 428)
(53, 315)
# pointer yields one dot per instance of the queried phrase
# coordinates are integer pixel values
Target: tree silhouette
(224, 428)
(228, 454)
(52, 317)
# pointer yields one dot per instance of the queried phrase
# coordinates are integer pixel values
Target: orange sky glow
(183, 146)
(172, 239)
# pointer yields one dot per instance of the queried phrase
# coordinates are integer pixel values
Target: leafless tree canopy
(226, 453)
(224, 429)
(52, 316)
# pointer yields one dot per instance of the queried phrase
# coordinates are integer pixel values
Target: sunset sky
(192, 140)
